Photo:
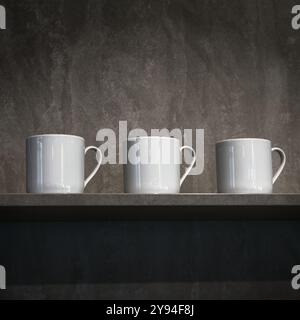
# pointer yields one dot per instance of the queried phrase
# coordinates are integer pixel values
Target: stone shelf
(153, 207)
(198, 200)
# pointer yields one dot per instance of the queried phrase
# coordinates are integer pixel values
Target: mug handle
(283, 162)
(189, 169)
(99, 157)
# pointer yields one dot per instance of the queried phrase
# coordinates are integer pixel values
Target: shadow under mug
(56, 164)
(153, 165)
(245, 166)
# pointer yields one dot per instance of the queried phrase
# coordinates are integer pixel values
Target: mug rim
(54, 135)
(152, 137)
(243, 139)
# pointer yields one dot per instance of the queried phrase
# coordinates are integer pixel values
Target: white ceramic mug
(55, 164)
(245, 166)
(153, 165)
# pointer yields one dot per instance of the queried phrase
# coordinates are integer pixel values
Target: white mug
(55, 164)
(153, 165)
(245, 166)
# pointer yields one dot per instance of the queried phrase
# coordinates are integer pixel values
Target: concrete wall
(76, 66)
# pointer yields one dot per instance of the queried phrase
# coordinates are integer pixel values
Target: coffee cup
(153, 165)
(56, 164)
(245, 166)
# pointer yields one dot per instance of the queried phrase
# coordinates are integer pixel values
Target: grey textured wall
(76, 66)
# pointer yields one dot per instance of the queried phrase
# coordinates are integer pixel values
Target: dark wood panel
(64, 258)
